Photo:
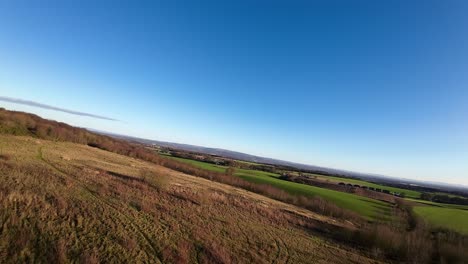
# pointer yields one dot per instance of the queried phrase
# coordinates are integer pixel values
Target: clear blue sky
(370, 86)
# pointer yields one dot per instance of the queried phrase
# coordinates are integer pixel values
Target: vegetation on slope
(30, 235)
(62, 202)
(19, 123)
(364, 206)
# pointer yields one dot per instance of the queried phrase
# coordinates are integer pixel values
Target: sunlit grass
(450, 218)
(364, 206)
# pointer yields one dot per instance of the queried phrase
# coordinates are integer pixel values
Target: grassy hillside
(20, 123)
(65, 202)
(80, 197)
(361, 205)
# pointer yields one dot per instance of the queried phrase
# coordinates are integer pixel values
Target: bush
(5, 157)
(155, 180)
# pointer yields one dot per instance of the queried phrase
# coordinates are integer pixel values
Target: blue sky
(370, 86)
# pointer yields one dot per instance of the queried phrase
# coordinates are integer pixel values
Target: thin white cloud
(49, 107)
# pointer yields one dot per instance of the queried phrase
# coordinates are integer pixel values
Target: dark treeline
(341, 187)
(443, 198)
(404, 239)
(213, 159)
(200, 157)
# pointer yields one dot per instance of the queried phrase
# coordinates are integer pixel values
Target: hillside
(65, 202)
(71, 195)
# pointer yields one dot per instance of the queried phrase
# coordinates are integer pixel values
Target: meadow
(444, 217)
(439, 215)
(366, 207)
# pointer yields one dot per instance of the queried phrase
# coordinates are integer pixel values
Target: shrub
(155, 180)
(5, 157)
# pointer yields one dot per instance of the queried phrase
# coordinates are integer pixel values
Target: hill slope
(65, 202)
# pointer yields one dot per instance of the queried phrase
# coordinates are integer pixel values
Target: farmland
(408, 193)
(450, 218)
(364, 206)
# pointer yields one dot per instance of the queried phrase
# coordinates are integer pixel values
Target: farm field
(408, 193)
(366, 207)
(69, 203)
(450, 218)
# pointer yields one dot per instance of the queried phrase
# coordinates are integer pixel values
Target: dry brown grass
(98, 206)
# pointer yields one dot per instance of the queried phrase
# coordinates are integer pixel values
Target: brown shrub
(129, 243)
(90, 257)
(451, 247)
(5, 157)
(60, 251)
(180, 254)
(214, 253)
(22, 238)
(155, 180)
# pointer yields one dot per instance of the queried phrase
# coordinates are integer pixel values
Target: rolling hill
(68, 195)
(375, 178)
(65, 202)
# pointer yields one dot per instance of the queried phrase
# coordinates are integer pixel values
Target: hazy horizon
(369, 87)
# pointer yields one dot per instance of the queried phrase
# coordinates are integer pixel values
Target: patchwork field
(450, 216)
(408, 193)
(364, 206)
(63, 202)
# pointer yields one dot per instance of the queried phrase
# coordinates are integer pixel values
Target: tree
(426, 196)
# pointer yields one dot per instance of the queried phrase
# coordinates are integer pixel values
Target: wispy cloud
(50, 107)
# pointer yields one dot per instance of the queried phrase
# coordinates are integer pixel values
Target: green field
(364, 206)
(450, 218)
(408, 193)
